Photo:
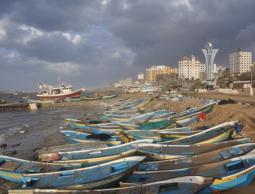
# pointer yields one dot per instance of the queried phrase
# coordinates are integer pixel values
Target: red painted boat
(48, 92)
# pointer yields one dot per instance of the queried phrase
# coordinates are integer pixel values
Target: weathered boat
(188, 184)
(124, 112)
(197, 160)
(70, 147)
(79, 137)
(153, 134)
(207, 108)
(140, 118)
(90, 98)
(87, 178)
(214, 170)
(187, 150)
(83, 125)
(17, 165)
(109, 96)
(168, 135)
(60, 92)
(92, 154)
(146, 125)
(138, 104)
(84, 141)
(239, 179)
(217, 133)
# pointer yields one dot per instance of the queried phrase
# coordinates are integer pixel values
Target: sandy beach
(46, 131)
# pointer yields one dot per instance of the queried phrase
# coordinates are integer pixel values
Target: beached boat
(85, 125)
(130, 104)
(17, 165)
(140, 118)
(90, 98)
(214, 170)
(239, 179)
(196, 160)
(146, 125)
(88, 141)
(79, 137)
(92, 153)
(217, 133)
(87, 178)
(124, 112)
(207, 108)
(159, 150)
(188, 184)
(70, 147)
(109, 96)
(152, 134)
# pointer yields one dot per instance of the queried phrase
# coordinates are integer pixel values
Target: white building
(124, 83)
(240, 61)
(190, 67)
(140, 77)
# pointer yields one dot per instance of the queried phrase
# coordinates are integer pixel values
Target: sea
(12, 123)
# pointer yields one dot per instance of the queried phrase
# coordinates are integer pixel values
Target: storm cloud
(91, 43)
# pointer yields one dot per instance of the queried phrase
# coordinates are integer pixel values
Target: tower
(209, 53)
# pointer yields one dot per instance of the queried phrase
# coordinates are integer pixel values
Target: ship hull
(74, 94)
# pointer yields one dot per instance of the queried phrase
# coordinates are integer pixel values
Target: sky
(91, 43)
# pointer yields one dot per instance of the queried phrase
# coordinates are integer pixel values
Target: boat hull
(75, 94)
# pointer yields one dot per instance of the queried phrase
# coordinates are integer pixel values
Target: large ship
(48, 92)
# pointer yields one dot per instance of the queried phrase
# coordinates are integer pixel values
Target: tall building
(240, 61)
(210, 53)
(190, 67)
(154, 71)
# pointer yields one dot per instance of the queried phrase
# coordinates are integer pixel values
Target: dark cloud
(91, 43)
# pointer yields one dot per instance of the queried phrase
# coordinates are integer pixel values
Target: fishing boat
(17, 165)
(215, 170)
(78, 124)
(84, 178)
(153, 134)
(196, 160)
(217, 133)
(176, 134)
(160, 150)
(188, 184)
(92, 154)
(163, 123)
(239, 179)
(79, 137)
(48, 92)
(124, 112)
(140, 118)
(109, 96)
(90, 98)
(134, 104)
(70, 147)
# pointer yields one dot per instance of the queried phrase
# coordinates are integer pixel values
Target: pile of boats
(128, 150)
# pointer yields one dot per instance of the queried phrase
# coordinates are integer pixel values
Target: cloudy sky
(91, 43)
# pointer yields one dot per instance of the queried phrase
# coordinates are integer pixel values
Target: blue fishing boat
(79, 137)
(217, 133)
(184, 161)
(86, 178)
(189, 184)
(214, 170)
(92, 154)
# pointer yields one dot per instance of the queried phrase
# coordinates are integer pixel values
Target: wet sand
(45, 132)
